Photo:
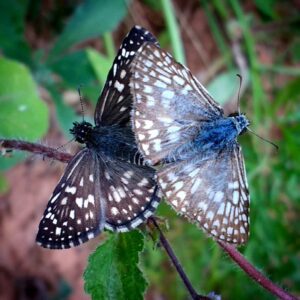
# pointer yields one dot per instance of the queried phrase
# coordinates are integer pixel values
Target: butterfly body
(213, 136)
(180, 126)
(114, 141)
(217, 134)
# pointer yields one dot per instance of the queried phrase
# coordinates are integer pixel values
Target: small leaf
(100, 64)
(224, 86)
(23, 114)
(12, 38)
(113, 271)
(91, 19)
(74, 68)
(268, 7)
(65, 114)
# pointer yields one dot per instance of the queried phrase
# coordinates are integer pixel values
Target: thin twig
(176, 263)
(35, 148)
(233, 253)
(255, 274)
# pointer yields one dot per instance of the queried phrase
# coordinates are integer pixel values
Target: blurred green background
(50, 48)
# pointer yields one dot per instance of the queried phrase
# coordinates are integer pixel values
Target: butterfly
(179, 125)
(106, 184)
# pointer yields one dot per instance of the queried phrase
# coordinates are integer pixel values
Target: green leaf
(74, 68)
(12, 41)
(268, 7)
(100, 64)
(113, 271)
(290, 93)
(23, 114)
(91, 19)
(64, 113)
(295, 51)
(224, 86)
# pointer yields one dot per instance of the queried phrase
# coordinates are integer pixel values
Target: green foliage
(23, 114)
(100, 64)
(223, 88)
(91, 19)
(267, 7)
(12, 41)
(113, 269)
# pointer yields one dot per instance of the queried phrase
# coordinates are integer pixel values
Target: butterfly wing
(211, 191)
(75, 213)
(130, 193)
(115, 102)
(169, 103)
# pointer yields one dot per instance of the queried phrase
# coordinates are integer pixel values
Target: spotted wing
(169, 103)
(74, 213)
(129, 192)
(115, 101)
(212, 192)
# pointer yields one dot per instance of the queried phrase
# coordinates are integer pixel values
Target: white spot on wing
(119, 86)
(79, 202)
(71, 190)
(168, 94)
(72, 214)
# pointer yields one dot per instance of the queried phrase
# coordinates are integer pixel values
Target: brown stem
(255, 274)
(233, 253)
(164, 242)
(36, 148)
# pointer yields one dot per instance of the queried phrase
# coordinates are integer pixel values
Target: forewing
(74, 213)
(169, 103)
(115, 101)
(212, 192)
(130, 193)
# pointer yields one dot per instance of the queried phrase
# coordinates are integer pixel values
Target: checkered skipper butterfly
(178, 124)
(107, 184)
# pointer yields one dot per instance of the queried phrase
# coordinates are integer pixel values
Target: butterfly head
(81, 131)
(240, 121)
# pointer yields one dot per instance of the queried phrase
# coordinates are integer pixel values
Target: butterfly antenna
(273, 144)
(64, 145)
(81, 102)
(239, 93)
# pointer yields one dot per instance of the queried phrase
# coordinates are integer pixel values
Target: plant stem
(164, 242)
(35, 148)
(217, 34)
(258, 92)
(169, 14)
(254, 273)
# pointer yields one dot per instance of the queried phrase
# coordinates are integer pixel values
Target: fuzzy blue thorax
(212, 137)
(221, 132)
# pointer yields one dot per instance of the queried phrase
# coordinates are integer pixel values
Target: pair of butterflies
(110, 183)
